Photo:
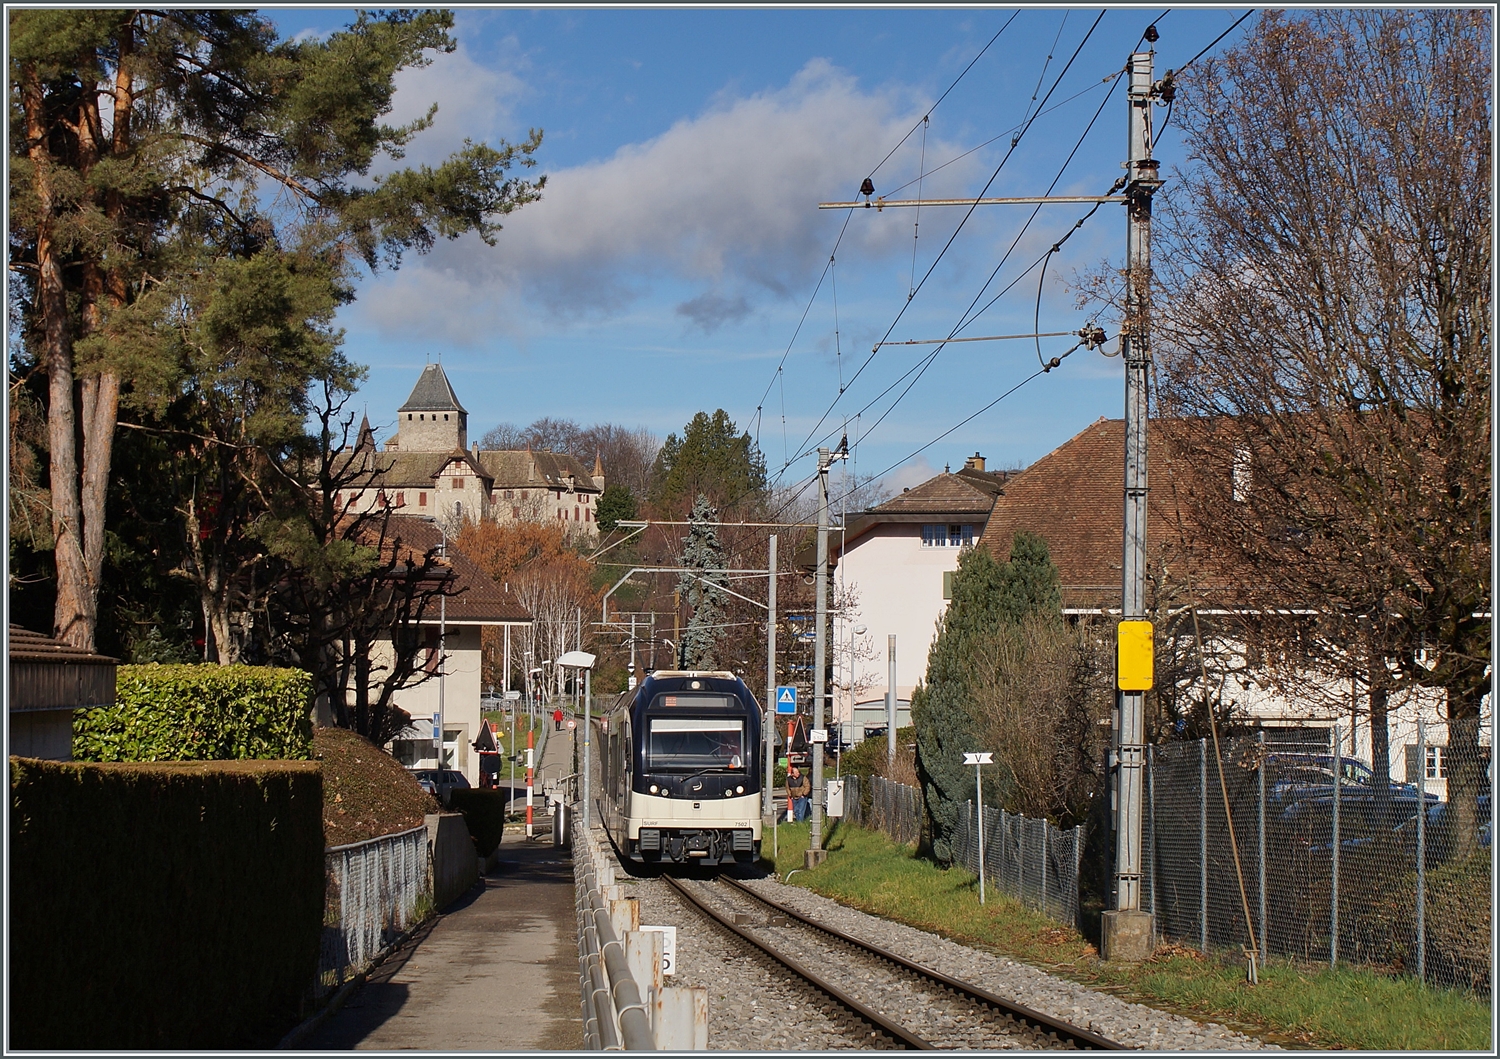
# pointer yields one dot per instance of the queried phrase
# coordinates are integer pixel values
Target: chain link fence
(1031, 860)
(1327, 872)
(372, 898)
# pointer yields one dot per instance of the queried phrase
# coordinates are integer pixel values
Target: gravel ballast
(753, 1008)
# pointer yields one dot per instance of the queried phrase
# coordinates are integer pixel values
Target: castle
(429, 468)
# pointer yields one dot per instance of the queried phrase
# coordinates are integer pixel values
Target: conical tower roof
(433, 393)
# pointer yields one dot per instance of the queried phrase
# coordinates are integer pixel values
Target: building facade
(893, 568)
(428, 467)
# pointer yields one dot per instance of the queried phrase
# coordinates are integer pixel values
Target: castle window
(458, 510)
(400, 499)
(510, 494)
(575, 513)
(515, 512)
(588, 516)
(421, 499)
(408, 417)
(445, 417)
(458, 483)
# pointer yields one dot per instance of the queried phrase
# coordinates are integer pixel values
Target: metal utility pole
(1126, 930)
(816, 854)
(890, 699)
(770, 795)
(632, 680)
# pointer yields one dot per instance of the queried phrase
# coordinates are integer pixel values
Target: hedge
(162, 905)
(199, 713)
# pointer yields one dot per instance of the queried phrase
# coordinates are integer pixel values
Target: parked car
(1437, 826)
(439, 782)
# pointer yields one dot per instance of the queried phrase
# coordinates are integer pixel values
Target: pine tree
(704, 555)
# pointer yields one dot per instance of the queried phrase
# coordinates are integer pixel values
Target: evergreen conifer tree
(704, 555)
(986, 594)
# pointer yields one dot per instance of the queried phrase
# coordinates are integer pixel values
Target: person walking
(557, 718)
(798, 793)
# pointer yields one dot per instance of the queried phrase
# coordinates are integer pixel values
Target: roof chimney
(974, 463)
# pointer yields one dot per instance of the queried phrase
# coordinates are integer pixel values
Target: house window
(421, 499)
(945, 536)
(1241, 474)
(1434, 765)
(458, 510)
(510, 494)
(588, 516)
(400, 499)
(948, 584)
(458, 483)
(515, 512)
(575, 513)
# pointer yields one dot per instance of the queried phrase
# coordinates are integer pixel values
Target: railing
(374, 890)
(1031, 860)
(613, 1010)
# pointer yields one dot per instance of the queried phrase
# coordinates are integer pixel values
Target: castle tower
(432, 420)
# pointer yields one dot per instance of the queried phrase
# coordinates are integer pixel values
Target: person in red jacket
(557, 718)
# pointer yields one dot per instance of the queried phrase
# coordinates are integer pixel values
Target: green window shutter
(948, 584)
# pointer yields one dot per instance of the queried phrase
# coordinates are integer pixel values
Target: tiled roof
(1074, 498)
(965, 493)
(480, 598)
(28, 646)
(519, 469)
(433, 393)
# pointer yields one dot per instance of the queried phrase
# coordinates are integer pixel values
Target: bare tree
(1324, 271)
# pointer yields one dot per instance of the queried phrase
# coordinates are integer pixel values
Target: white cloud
(723, 202)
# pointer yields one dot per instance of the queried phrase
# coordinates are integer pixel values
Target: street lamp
(584, 661)
(437, 733)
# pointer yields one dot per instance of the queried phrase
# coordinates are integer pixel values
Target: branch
(265, 167)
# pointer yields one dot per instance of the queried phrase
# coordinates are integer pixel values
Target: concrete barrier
(455, 867)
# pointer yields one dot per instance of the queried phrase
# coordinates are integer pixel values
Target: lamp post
(437, 733)
(584, 661)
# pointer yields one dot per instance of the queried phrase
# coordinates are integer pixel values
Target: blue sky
(678, 243)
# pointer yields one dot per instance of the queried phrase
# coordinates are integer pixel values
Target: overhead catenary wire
(926, 115)
(802, 447)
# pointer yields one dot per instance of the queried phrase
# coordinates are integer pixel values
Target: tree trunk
(1380, 755)
(1466, 772)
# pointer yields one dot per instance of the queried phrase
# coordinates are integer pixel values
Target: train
(682, 770)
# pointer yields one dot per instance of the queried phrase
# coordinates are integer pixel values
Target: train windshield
(683, 743)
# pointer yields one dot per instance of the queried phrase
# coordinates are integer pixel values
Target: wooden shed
(49, 679)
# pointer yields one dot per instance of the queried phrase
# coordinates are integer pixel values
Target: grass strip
(1295, 1006)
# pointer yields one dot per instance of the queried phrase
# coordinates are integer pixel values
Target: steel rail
(894, 1029)
(1046, 1024)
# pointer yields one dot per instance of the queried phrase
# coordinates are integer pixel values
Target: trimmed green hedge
(160, 906)
(199, 713)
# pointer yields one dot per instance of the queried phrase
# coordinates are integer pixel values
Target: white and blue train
(681, 770)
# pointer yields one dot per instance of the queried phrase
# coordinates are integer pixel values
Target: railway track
(888, 998)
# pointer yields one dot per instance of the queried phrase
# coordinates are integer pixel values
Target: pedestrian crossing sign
(786, 699)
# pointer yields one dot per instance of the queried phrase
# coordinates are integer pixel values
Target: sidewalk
(498, 971)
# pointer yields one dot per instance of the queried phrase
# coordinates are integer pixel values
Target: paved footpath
(498, 971)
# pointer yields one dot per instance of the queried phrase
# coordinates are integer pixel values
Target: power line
(802, 451)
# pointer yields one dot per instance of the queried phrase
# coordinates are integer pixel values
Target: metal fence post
(1333, 852)
(1421, 851)
(1203, 844)
(1077, 861)
(1003, 833)
(1151, 819)
(1260, 831)
(1045, 828)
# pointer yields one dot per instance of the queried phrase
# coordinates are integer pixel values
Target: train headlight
(739, 790)
(653, 788)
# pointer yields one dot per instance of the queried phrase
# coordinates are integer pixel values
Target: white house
(893, 566)
(454, 671)
(1074, 499)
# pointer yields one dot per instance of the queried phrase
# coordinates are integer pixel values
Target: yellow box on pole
(1135, 655)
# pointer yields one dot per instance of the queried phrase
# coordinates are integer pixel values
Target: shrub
(199, 713)
(162, 905)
